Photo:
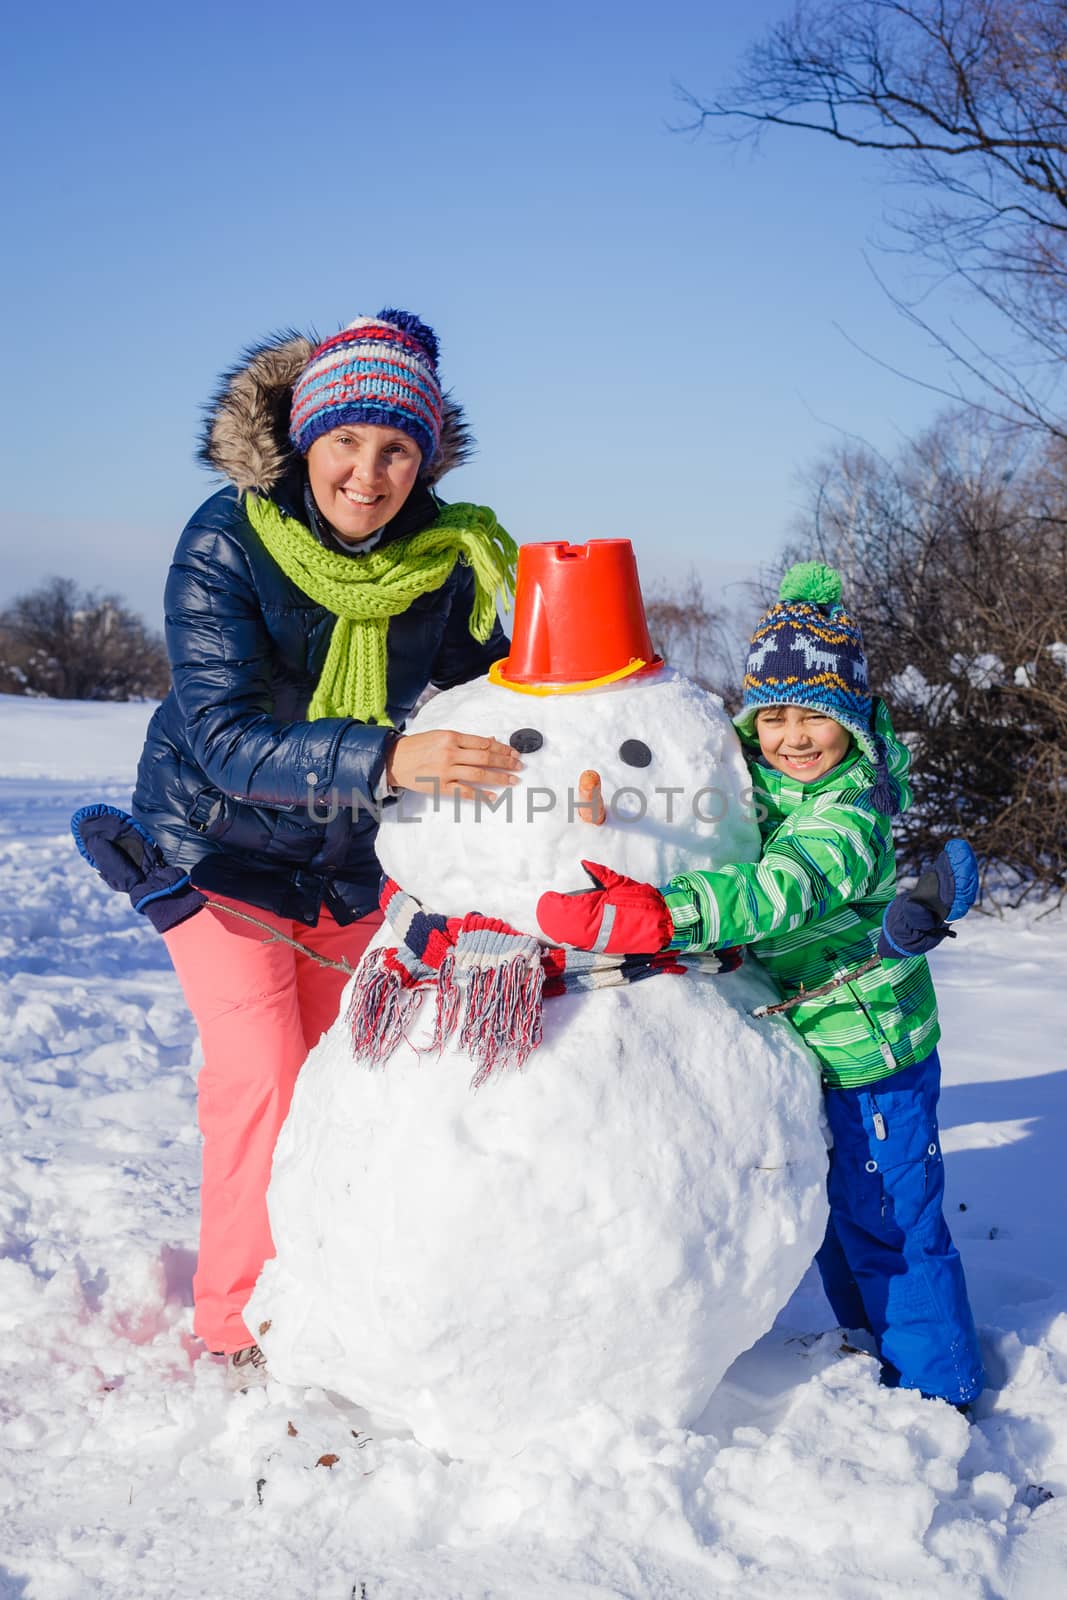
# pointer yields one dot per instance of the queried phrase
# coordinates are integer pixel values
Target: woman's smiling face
(801, 742)
(361, 475)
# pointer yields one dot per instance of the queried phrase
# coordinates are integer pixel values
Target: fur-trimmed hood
(246, 428)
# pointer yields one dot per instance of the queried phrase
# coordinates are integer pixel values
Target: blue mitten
(918, 919)
(128, 859)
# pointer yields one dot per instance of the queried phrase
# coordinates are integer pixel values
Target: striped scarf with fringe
(490, 982)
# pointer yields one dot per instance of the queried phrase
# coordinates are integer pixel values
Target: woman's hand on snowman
(619, 915)
(446, 762)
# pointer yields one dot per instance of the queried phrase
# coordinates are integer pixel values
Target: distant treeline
(67, 643)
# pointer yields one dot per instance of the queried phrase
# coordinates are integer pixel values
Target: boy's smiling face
(801, 742)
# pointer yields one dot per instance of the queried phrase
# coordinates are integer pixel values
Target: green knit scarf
(365, 591)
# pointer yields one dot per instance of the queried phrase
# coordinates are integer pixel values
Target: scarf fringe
(495, 1013)
(502, 1015)
(448, 1000)
(381, 1010)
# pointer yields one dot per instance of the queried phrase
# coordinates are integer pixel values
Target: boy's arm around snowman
(814, 862)
(817, 861)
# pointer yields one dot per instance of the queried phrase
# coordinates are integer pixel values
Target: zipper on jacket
(885, 1049)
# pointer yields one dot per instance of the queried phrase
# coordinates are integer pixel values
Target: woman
(308, 606)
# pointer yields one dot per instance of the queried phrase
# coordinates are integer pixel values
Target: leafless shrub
(691, 634)
(954, 558)
(64, 643)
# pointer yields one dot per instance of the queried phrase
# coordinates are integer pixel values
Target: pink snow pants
(259, 1007)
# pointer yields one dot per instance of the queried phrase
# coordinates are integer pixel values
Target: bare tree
(691, 634)
(955, 562)
(65, 643)
(968, 99)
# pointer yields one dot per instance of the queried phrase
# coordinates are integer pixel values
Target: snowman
(517, 1181)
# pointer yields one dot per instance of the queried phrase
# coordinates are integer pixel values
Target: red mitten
(619, 916)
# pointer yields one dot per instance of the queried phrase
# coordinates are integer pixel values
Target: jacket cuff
(359, 766)
(685, 914)
(383, 789)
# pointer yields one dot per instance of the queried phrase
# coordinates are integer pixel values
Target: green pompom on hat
(813, 581)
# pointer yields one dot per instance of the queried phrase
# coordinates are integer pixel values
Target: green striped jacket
(811, 908)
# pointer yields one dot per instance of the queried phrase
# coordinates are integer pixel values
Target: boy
(829, 775)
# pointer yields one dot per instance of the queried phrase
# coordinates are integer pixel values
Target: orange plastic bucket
(579, 616)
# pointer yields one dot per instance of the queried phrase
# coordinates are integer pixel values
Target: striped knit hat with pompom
(807, 651)
(380, 370)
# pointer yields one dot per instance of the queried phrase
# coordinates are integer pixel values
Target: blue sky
(641, 325)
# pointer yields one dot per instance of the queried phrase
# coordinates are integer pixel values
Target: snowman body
(619, 1220)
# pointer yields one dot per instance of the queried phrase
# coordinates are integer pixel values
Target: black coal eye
(634, 753)
(526, 740)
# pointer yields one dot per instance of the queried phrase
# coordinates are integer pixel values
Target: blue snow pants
(888, 1263)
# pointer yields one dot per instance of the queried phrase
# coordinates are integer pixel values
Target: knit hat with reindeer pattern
(807, 651)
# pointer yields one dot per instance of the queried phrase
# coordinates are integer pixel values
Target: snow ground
(127, 1471)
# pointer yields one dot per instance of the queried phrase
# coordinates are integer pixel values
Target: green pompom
(813, 581)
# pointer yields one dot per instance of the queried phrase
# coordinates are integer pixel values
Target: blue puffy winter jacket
(230, 767)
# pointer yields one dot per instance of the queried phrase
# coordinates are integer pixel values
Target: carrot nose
(590, 805)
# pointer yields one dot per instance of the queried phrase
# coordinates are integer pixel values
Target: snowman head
(646, 775)
(624, 760)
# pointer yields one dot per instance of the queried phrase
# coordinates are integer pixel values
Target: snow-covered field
(127, 1471)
